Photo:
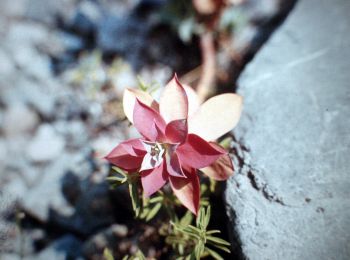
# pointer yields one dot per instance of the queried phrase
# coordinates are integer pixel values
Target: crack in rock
(242, 162)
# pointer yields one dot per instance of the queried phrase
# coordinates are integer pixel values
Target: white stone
(42, 97)
(46, 145)
(47, 193)
(104, 144)
(75, 132)
(124, 78)
(19, 119)
(6, 65)
(33, 62)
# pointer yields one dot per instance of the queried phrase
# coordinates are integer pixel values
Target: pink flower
(177, 139)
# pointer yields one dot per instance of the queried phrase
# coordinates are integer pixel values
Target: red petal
(197, 153)
(221, 169)
(134, 147)
(173, 103)
(148, 121)
(187, 190)
(173, 166)
(176, 131)
(127, 155)
(153, 180)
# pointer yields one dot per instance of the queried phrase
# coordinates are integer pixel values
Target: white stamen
(154, 156)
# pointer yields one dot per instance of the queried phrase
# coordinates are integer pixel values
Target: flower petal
(173, 166)
(127, 155)
(193, 100)
(148, 122)
(134, 147)
(173, 103)
(217, 116)
(129, 99)
(187, 190)
(197, 153)
(153, 180)
(176, 131)
(222, 168)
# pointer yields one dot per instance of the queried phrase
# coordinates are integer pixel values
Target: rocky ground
(290, 199)
(64, 65)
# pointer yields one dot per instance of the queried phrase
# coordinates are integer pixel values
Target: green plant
(193, 242)
(162, 168)
(188, 241)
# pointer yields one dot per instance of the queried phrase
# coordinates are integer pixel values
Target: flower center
(157, 150)
(154, 156)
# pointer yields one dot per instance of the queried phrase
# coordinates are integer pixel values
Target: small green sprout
(149, 88)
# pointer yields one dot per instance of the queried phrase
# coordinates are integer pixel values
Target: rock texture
(290, 198)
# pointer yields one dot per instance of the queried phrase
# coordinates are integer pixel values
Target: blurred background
(63, 67)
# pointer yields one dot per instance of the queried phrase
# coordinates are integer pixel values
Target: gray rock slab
(290, 197)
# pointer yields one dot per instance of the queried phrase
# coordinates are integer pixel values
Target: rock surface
(290, 196)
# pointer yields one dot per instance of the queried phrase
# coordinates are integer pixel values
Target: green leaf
(206, 218)
(226, 142)
(135, 198)
(175, 240)
(217, 240)
(156, 199)
(204, 202)
(116, 181)
(204, 188)
(214, 254)
(192, 230)
(199, 249)
(211, 232)
(153, 211)
(186, 219)
(199, 217)
(118, 178)
(140, 255)
(115, 178)
(118, 170)
(144, 213)
(223, 248)
(107, 254)
(189, 230)
(212, 185)
(142, 85)
(181, 249)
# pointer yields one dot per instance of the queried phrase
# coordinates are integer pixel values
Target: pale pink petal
(153, 180)
(187, 190)
(173, 103)
(176, 131)
(197, 153)
(129, 99)
(148, 122)
(217, 116)
(173, 166)
(193, 100)
(127, 155)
